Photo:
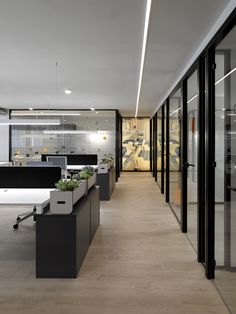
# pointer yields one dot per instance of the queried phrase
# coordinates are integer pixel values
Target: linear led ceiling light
(217, 82)
(30, 122)
(68, 91)
(145, 33)
(45, 113)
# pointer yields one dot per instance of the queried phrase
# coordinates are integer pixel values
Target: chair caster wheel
(18, 218)
(15, 226)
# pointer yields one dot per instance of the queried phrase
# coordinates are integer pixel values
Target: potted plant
(87, 173)
(110, 158)
(105, 163)
(68, 192)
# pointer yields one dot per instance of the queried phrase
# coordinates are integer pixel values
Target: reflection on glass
(225, 171)
(174, 149)
(79, 132)
(192, 153)
(136, 144)
(159, 146)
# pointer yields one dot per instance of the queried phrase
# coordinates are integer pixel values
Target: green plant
(89, 170)
(83, 174)
(67, 185)
(104, 161)
(108, 156)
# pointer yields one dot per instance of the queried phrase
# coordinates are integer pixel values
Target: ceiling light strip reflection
(173, 112)
(51, 132)
(145, 33)
(217, 82)
(33, 114)
(191, 99)
(30, 122)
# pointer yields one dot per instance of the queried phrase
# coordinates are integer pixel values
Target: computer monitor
(60, 161)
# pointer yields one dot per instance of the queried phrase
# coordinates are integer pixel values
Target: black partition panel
(74, 159)
(29, 177)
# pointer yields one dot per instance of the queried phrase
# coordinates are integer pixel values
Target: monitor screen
(60, 161)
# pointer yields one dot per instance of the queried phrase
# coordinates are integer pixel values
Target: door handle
(187, 165)
(231, 188)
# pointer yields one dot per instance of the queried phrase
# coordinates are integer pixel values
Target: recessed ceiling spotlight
(31, 108)
(92, 109)
(68, 91)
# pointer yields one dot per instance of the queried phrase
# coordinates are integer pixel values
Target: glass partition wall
(199, 157)
(77, 132)
(225, 170)
(159, 147)
(192, 157)
(174, 153)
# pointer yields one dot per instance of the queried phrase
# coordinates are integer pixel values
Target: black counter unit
(62, 241)
(107, 182)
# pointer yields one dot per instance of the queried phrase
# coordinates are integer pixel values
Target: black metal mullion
(184, 157)
(210, 166)
(117, 145)
(155, 146)
(162, 148)
(201, 162)
(151, 146)
(167, 152)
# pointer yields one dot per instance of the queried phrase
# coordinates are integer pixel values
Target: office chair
(24, 217)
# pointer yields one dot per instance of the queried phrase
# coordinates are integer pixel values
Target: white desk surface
(34, 197)
(79, 167)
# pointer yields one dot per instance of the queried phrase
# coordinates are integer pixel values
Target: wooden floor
(139, 263)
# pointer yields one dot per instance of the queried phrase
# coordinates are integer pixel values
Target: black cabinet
(107, 182)
(94, 212)
(62, 241)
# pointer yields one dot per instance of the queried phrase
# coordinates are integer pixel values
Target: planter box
(103, 168)
(62, 202)
(92, 180)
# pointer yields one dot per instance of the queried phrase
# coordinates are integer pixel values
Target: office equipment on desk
(38, 181)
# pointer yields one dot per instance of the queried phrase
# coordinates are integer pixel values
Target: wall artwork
(136, 144)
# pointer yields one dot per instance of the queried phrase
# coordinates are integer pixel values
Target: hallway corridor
(138, 263)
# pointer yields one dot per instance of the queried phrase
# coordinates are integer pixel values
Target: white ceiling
(97, 44)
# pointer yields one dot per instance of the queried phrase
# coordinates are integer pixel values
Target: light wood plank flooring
(139, 263)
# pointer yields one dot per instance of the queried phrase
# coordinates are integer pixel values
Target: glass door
(175, 173)
(192, 158)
